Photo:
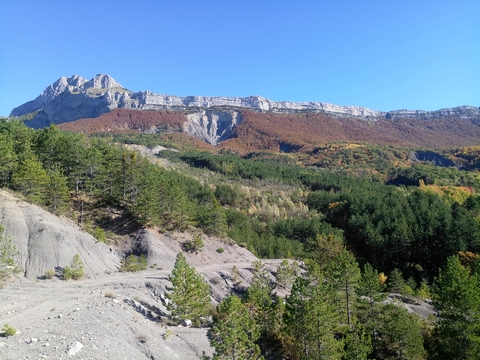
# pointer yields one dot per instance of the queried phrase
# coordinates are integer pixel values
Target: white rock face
(75, 98)
(212, 126)
(45, 242)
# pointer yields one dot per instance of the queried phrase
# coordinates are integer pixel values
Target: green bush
(220, 250)
(75, 270)
(8, 330)
(99, 234)
(49, 274)
(134, 263)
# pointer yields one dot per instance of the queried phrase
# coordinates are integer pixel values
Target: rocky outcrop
(45, 242)
(431, 156)
(212, 126)
(463, 112)
(75, 98)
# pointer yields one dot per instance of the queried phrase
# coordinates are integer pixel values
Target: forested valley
(361, 221)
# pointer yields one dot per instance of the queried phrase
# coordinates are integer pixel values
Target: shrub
(220, 250)
(142, 338)
(194, 245)
(49, 274)
(216, 280)
(167, 334)
(8, 330)
(134, 263)
(99, 234)
(110, 294)
(7, 254)
(75, 270)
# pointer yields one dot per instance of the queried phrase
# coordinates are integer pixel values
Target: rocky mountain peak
(102, 81)
(71, 84)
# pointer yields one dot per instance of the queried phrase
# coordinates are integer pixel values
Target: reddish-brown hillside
(262, 131)
(296, 132)
(127, 119)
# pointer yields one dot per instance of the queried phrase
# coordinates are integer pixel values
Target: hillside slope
(290, 132)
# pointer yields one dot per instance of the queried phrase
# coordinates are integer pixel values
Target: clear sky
(381, 54)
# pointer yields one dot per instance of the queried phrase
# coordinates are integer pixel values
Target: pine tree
(457, 299)
(358, 345)
(31, 179)
(260, 295)
(396, 281)
(8, 159)
(234, 331)
(399, 335)
(343, 272)
(57, 193)
(237, 279)
(285, 274)
(7, 253)
(370, 286)
(75, 270)
(311, 321)
(190, 293)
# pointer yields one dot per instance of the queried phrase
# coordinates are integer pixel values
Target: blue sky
(381, 54)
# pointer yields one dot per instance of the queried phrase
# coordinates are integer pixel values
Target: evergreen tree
(190, 293)
(370, 286)
(75, 270)
(423, 291)
(457, 299)
(234, 332)
(286, 273)
(7, 253)
(399, 335)
(396, 281)
(57, 194)
(8, 159)
(237, 279)
(260, 295)
(343, 272)
(358, 345)
(311, 321)
(31, 179)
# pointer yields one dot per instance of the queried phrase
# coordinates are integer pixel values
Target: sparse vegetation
(134, 263)
(167, 334)
(110, 294)
(194, 245)
(8, 330)
(7, 253)
(49, 274)
(75, 270)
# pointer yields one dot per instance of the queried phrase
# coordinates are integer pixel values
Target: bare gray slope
(45, 241)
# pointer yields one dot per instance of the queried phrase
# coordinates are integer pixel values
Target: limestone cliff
(210, 118)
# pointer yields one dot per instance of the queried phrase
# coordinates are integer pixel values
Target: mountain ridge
(75, 98)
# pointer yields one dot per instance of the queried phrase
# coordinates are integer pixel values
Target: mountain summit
(74, 98)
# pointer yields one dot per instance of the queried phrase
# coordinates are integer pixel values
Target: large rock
(44, 241)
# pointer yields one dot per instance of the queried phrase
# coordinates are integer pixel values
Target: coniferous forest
(360, 221)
